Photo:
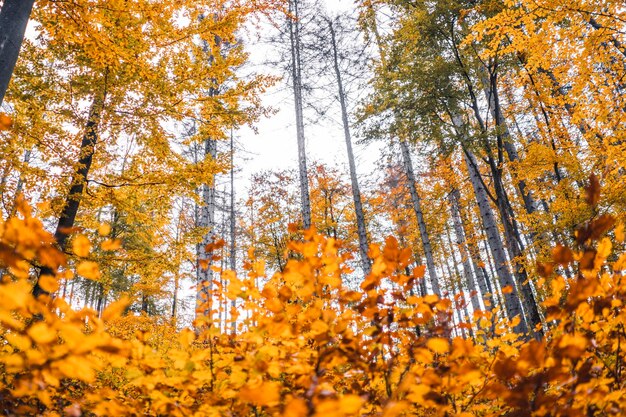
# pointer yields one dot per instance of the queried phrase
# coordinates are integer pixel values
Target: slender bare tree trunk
(461, 244)
(14, 17)
(493, 98)
(512, 301)
(205, 218)
(356, 191)
(233, 233)
(296, 75)
(417, 207)
(482, 277)
(408, 167)
(206, 221)
(457, 287)
(511, 231)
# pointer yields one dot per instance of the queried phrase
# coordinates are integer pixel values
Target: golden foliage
(314, 347)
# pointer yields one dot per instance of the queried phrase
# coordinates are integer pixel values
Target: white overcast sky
(274, 147)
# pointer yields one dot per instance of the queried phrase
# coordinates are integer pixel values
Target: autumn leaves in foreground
(310, 346)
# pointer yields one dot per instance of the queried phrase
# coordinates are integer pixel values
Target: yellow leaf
(417, 392)
(42, 334)
(111, 244)
(81, 246)
(115, 309)
(88, 269)
(186, 337)
(296, 408)
(438, 345)
(19, 341)
(104, 229)
(350, 404)
(268, 393)
(319, 327)
(604, 248)
(77, 367)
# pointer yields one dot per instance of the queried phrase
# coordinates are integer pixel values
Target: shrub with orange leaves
(314, 347)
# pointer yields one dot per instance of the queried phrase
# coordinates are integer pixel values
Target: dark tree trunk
(67, 218)
(14, 17)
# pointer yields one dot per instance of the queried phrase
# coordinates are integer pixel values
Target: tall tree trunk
(14, 17)
(457, 287)
(356, 192)
(514, 247)
(408, 166)
(206, 221)
(482, 277)
(205, 216)
(296, 75)
(511, 231)
(453, 198)
(233, 234)
(490, 84)
(175, 297)
(178, 257)
(67, 217)
(417, 207)
(511, 299)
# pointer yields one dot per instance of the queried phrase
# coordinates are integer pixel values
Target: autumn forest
(458, 250)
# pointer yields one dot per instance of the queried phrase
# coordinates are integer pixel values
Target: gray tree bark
(493, 98)
(461, 244)
(206, 221)
(417, 207)
(512, 301)
(356, 192)
(233, 232)
(14, 17)
(296, 76)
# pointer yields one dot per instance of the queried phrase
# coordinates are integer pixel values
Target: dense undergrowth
(312, 347)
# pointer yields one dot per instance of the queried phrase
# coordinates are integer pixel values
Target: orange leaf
(268, 394)
(81, 246)
(88, 269)
(104, 229)
(562, 255)
(296, 408)
(438, 345)
(42, 334)
(593, 191)
(507, 290)
(48, 283)
(111, 244)
(5, 122)
(350, 404)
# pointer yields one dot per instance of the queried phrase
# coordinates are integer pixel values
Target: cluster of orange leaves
(312, 346)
